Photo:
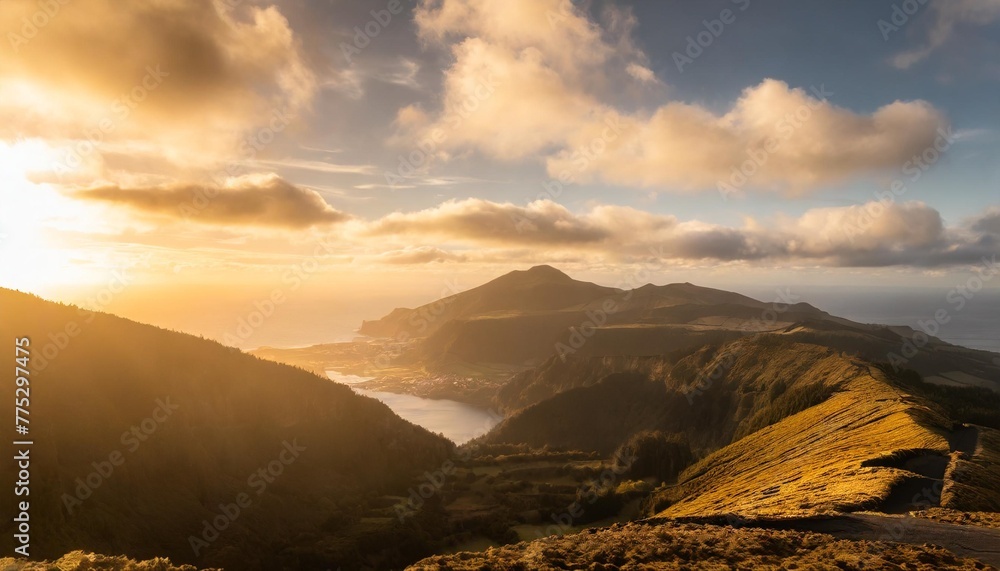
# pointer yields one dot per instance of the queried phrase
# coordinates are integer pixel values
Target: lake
(457, 421)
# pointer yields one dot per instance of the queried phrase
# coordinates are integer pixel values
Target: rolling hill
(783, 427)
(783, 412)
(525, 318)
(146, 441)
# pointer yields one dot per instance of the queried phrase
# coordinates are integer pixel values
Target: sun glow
(32, 255)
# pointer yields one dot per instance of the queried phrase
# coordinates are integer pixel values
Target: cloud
(315, 166)
(641, 73)
(518, 92)
(250, 201)
(522, 75)
(540, 223)
(351, 81)
(948, 16)
(773, 137)
(217, 71)
(874, 234)
(421, 255)
(988, 223)
(558, 31)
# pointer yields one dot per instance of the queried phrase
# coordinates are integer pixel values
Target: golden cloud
(250, 201)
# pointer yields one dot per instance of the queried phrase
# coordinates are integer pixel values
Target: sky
(179, 161)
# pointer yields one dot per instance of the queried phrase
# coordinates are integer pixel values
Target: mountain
(707, 406)
(541, 288)
(153, 443)
(524, 318)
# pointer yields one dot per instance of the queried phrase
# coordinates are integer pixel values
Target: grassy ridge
(812, 461)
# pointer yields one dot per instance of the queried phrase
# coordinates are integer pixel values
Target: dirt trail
(981, 543)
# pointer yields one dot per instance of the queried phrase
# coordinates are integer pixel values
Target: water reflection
(458, 422)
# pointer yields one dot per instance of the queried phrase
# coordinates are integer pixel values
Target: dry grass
(635, 547)
(979, 519)
(974, 483)
(80, 561)
(811, 462)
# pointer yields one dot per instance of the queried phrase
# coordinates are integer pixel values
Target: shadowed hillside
(714, 394)
(558, 375)
(140, 434)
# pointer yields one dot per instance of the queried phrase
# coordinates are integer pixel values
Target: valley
(790, 414)
(673, 414)
(499, 285)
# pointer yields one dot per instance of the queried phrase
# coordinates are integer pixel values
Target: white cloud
(520, 91)
(948, 17)
(180, 79)
(641, 73)
(867, 235)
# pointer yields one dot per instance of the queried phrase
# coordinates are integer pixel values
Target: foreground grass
(80, 561)
(944, 515)
(686, 546)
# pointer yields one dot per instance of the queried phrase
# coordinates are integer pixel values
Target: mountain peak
(546, 270)
(542, 272)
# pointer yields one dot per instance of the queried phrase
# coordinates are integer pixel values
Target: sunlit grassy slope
(870, 445)
(814, 461)
(785, 428)
(974, 479)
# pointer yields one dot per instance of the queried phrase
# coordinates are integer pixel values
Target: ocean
(974, 323)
